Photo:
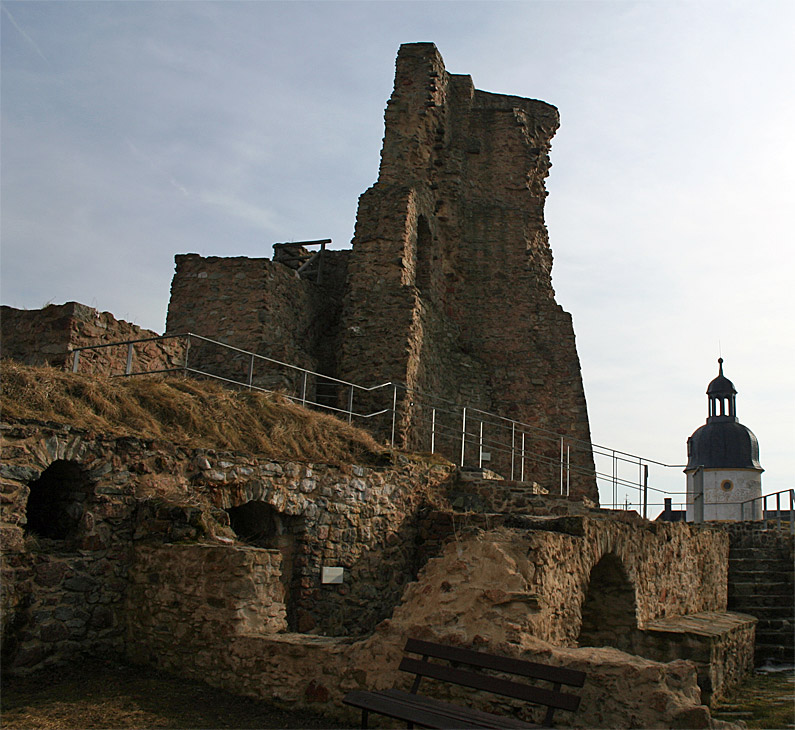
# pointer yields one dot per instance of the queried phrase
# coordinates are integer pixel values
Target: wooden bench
(416, 709)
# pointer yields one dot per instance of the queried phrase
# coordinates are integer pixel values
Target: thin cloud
(22, 32)
(156, 167)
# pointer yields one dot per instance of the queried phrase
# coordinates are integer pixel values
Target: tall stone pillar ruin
(449, 286)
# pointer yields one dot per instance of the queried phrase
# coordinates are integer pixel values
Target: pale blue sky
(134, 131)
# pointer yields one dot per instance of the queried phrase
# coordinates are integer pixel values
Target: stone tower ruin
(447, 288)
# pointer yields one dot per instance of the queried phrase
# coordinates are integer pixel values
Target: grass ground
(762, 701)
(111, 695)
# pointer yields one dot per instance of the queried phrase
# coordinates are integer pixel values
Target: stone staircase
(762, 584)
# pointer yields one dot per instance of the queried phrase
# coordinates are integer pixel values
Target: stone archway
(57, 501)
(609, 615)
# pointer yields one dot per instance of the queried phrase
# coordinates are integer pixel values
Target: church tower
(723, 467)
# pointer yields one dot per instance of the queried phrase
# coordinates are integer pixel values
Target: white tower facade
(723, 470)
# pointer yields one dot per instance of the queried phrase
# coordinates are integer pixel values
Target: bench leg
(364, 719)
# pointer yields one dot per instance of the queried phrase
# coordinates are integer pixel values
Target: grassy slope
(184, 411)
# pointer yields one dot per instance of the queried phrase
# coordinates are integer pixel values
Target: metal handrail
(763, 499)
(515, 434)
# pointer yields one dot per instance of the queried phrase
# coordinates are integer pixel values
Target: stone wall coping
(708, 623)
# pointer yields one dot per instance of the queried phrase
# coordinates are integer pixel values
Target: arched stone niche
(57, 501)
(609, 610)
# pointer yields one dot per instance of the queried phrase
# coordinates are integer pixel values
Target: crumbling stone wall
(138, 492)
(208, 591)
(449, 288)
(467, 596)
(260, 306)
(46, 337)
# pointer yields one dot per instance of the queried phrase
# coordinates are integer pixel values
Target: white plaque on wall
(332, 575)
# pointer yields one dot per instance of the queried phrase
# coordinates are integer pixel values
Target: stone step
(769, 618)
(783, 603)
(760, 553)
(755, 574)
(785, 561)
(767, 587)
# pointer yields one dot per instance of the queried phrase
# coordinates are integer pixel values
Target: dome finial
(720, 366)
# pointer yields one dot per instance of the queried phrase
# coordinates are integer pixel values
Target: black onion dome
(721, 385)
(723, 444)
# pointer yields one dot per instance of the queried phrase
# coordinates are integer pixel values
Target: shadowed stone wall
(449, 289)
(46, 336)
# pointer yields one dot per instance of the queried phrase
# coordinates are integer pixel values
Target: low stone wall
(46, 336)
(670, 569)
(721, 645)
(205, 592)
(486, 611)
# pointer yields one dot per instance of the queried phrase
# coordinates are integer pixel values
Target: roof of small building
(723, 443)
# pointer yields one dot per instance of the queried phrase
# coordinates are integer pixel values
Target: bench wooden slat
(538, 695)
(560, 675)
(459, 712)
(391, 707)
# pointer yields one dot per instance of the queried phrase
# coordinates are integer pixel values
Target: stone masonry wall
(366, 520)
(470, 595)
(207, 591)
(46, 336)
(449, 286)
(260, 306)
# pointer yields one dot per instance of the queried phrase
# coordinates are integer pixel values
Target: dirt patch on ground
(111, 695)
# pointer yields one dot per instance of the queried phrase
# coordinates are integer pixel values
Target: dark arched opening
(608, 611)
(57, 501)
(261, 525)
(424, 260)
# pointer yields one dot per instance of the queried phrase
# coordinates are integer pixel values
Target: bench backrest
(551, 698)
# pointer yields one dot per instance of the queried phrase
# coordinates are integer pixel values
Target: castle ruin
(447, 288)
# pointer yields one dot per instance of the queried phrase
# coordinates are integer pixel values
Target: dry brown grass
(188, 412)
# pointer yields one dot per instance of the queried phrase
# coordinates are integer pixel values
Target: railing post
(778, 511)
(251, 371)
(187, 352)
(394, 413)
(645, 490)
(513, 446)
(128, 368)
(480, 447)
(303, 389)
(792, 511)
(350, 406)
(521, 478)
(568, 469)
(463, 435)
(433, 430)
(75, 361)
(561, 465)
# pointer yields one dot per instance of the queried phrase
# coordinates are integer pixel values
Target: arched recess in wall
(424, 258)
(57, 501)
(609, 609)
(261, 525)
